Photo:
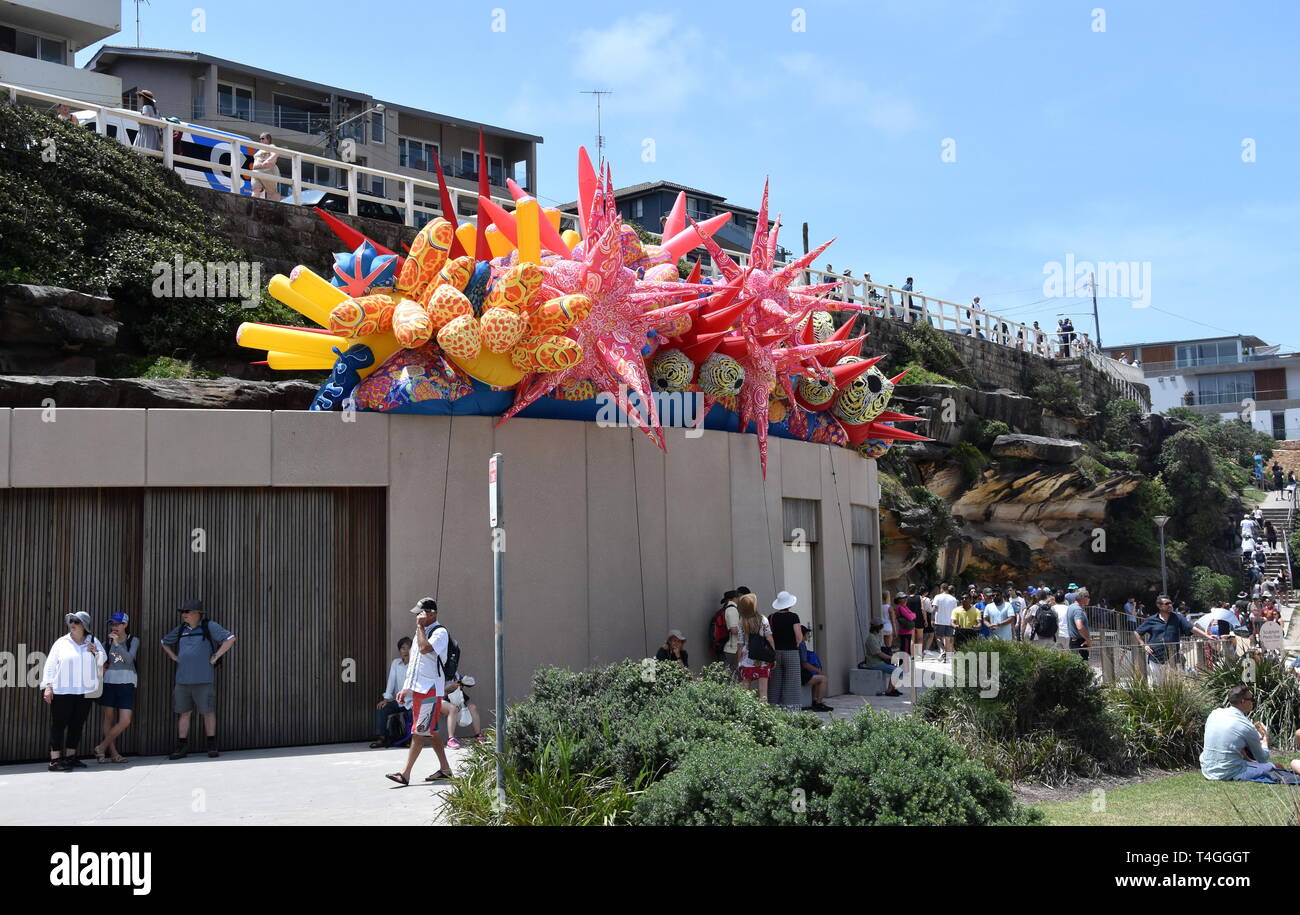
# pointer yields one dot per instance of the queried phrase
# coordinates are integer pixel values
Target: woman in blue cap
(120, 681)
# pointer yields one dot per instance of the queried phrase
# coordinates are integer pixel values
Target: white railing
(226, 173)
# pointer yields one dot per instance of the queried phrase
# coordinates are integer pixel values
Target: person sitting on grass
(1236, 749)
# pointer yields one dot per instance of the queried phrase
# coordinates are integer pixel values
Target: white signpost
(497, 524)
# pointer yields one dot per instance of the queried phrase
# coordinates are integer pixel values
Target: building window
(416, 154)
(638, 209)
(235, 101)
(469, 167)
(1232, 387)
(1279, 425)
(377, 126)
(318, 174)
(1217, 352)
(25, 44)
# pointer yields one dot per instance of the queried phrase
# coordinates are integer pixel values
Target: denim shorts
(118, 695)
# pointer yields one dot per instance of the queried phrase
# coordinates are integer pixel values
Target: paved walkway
(336, 785)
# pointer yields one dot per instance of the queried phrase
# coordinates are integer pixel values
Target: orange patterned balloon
(447, 303)
(558, 315)
(502, 329)
(515, 288)
(360, 317)
(411, 324)
(428, 254)
(456, 273)
(551, 353)
(460, 337)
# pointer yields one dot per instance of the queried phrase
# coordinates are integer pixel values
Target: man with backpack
(1046, 623)
(200, 644)
(434, 661)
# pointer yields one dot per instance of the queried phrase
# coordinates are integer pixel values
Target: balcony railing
(355, 176)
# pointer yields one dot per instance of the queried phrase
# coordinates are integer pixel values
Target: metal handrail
(350, 170)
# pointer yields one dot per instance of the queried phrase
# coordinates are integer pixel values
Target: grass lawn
(1180, 800)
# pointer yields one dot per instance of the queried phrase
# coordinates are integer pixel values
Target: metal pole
(497, 522)
(1164, 578)
(1096, 322)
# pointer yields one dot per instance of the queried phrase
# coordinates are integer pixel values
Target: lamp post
(1161, 521)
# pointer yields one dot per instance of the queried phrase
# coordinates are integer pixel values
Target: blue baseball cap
(119, 617)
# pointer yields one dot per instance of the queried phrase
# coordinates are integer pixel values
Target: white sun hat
(784, 601)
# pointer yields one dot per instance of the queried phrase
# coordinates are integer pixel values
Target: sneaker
(212, 748)
(59, 765)
(453, 744)
(821, 707)
(73, 763)
(181, 751)
(379, 743)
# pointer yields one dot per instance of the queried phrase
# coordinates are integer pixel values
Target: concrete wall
(610, 542)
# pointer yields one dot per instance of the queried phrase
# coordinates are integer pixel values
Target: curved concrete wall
(610, 542)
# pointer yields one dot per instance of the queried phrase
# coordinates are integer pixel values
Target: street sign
(494, 507)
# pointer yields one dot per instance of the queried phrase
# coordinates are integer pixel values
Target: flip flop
(399, 778)
(119, 758)
(440, 775)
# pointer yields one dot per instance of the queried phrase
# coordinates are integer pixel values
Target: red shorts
(762, 672)
(425, 713)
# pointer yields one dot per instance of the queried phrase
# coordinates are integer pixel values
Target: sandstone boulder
(190, 393)
(1037, 448)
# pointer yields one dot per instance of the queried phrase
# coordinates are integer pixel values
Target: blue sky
(1115, 145)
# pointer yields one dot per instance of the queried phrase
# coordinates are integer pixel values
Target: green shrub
(930, 349)
(989, 432)
(622, 722)
(1133, 536)
(1210, 588)
(971, 461)
(98, 218)
(917, 374)
(877, 770)
(1061, 395)
(1117, 423)
(1119, 460)
(552, 794)
(1047, 722)
(1163, 724)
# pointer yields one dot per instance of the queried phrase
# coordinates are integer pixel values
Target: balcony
(81, 22)
(279, 117)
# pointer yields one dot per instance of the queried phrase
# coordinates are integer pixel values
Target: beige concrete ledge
(329, 449)
(209, 448)
(67, 446)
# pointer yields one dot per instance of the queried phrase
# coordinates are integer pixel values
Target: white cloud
(650, 61)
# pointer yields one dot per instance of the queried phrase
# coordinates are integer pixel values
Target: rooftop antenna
(600, 138)
(137, 20)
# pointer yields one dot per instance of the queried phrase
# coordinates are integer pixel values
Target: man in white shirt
(1061, 609)
(1236, 749)
(425, 684)
(944, 604)
(388, 705)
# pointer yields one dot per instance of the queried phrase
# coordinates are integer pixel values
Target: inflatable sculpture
(511, 316)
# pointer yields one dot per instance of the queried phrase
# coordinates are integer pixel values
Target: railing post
(101, 121)
(236, 160)
(410, 202)
(167, 149)
(296, 172)
(352, 191)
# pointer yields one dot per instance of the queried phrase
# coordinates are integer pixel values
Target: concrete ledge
(867, 682)
(65, 446)
(329, 449)
(209, 448)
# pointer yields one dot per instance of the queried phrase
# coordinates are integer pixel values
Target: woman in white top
(72, 677)
(266, 174)
(753, 623)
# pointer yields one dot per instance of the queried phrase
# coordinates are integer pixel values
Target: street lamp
(1161, 521)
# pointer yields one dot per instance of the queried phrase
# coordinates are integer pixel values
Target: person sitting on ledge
(1236, 749)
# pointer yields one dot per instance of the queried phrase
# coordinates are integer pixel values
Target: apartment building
(319, 119)
(38, 42)
(1232, 376)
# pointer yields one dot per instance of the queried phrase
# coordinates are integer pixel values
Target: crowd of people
(771, 654)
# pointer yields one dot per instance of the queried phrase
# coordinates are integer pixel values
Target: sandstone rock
(215, 394)
(1037, 448)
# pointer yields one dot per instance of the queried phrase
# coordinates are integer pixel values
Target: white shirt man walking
(426, 685)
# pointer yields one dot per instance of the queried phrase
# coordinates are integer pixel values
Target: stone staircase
(1277, 509)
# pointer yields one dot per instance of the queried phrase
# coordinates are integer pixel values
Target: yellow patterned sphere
(630, 243)
(502, 328)
(461, 338)
(865, 397)
(816, 391)
(654, 255)
(662, 273)
(577, 390)
(776, 410)
(411, 325)
(671, 370)
(721, 376)
(823, 325)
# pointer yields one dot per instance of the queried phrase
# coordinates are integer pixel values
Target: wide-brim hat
(81, 616)
(676, 634)
(146, 93)
(195, 605)
(784, 601)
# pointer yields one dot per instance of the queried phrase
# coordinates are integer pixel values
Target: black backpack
(1045, 622)
(449, 667)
